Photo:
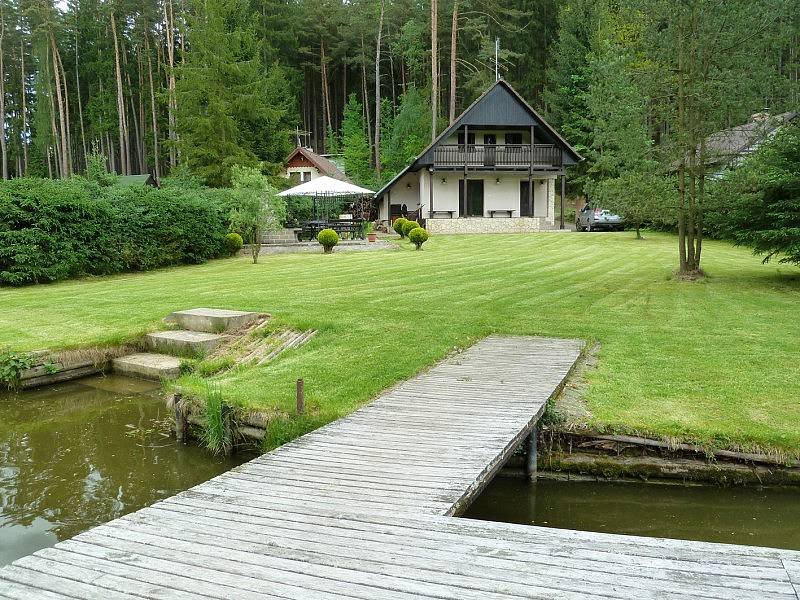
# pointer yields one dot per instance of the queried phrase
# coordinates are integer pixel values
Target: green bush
(398, 225)
(233, 243)
(418, 236)
(408, 226)
(328, 238)
(51, 230)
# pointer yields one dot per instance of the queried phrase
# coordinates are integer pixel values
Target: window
(513, 138)
(470, 139)
(305, 176)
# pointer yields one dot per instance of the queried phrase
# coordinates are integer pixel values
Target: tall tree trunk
(135, 134)
(453, 54)
(364, 89)
(377, 150)
(24, 107)
(65, 131)
(80, 101)
(682, 149)
(63, 155)
(434, 66)
(326, 99)
(3, 148)
(142, 126)
(171, 100)
(124, 155)
(56, 134)
(153, 112)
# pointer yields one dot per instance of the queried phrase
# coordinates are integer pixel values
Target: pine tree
(355, 144)
(231, 110)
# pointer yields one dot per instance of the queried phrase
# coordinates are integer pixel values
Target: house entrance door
(525, 209)
(472, 204)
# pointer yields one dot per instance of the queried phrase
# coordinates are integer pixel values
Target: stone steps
(202, 332)
(211, 320)
(182, 342)
(148, 365)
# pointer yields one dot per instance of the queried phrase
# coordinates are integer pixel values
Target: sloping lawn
(714, 361)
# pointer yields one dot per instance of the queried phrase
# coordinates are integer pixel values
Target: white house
(494, 169)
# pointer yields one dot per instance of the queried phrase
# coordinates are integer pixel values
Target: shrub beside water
(51, 230)
(408, 226)
(328, 238)
(398, 226)
(233, 243)
(418, 236)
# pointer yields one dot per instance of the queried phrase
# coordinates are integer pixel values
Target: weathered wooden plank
(359, 509)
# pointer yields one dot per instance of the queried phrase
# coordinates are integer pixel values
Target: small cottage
(496, 168)
(304, 165)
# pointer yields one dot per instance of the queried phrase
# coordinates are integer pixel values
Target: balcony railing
(504, 156)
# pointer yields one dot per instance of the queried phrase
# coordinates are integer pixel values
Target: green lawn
(713, 361)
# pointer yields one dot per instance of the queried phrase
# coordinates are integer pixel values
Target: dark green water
(766, 517)
(82, 453)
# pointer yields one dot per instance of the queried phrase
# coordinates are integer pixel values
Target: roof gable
(500, 106)
(323, 165)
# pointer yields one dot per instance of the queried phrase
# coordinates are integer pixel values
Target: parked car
(591, 218)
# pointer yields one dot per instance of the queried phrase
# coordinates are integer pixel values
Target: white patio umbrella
(326, 187)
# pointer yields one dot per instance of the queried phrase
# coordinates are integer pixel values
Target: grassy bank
(713, 361)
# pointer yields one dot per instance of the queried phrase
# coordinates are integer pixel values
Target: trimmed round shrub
(408, 226)
(418, 236)
(398, 225)
(328, 238)
(233, 243)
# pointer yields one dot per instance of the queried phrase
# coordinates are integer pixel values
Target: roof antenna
(297, 133)
(496, 53)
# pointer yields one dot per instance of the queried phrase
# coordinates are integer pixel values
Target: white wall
(497, 195)
(401, 193)
(314, 171)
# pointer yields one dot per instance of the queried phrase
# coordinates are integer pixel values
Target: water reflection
(761, 517)
(82, 453)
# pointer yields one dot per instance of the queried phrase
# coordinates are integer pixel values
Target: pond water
(81, 453)
(761, 517)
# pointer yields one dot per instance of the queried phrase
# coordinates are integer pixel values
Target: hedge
(51, 230)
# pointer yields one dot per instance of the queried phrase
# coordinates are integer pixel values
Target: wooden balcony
(497, 156)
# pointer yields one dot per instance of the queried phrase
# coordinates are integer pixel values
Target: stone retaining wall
(488, 225)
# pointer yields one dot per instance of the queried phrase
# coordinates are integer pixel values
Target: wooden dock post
(531, 455)
(300, 396)
(181, 420)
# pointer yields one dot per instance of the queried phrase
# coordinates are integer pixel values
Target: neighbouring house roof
(324, 165)
(326, 186)
(734, 144)
(499, 105)
(134, 180)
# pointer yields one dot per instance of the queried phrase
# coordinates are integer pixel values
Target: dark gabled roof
(729, 144)
(135, 180)
(324, 165)
(499, 105)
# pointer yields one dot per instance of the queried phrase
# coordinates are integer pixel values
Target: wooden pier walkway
(362, 508)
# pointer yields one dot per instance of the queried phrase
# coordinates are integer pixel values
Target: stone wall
(488, 225)
(281, 236)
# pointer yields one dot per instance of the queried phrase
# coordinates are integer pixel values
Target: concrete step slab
(211, 320)
(182, 342)
(147, 365)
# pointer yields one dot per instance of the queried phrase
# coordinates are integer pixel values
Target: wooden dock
(362, 508)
